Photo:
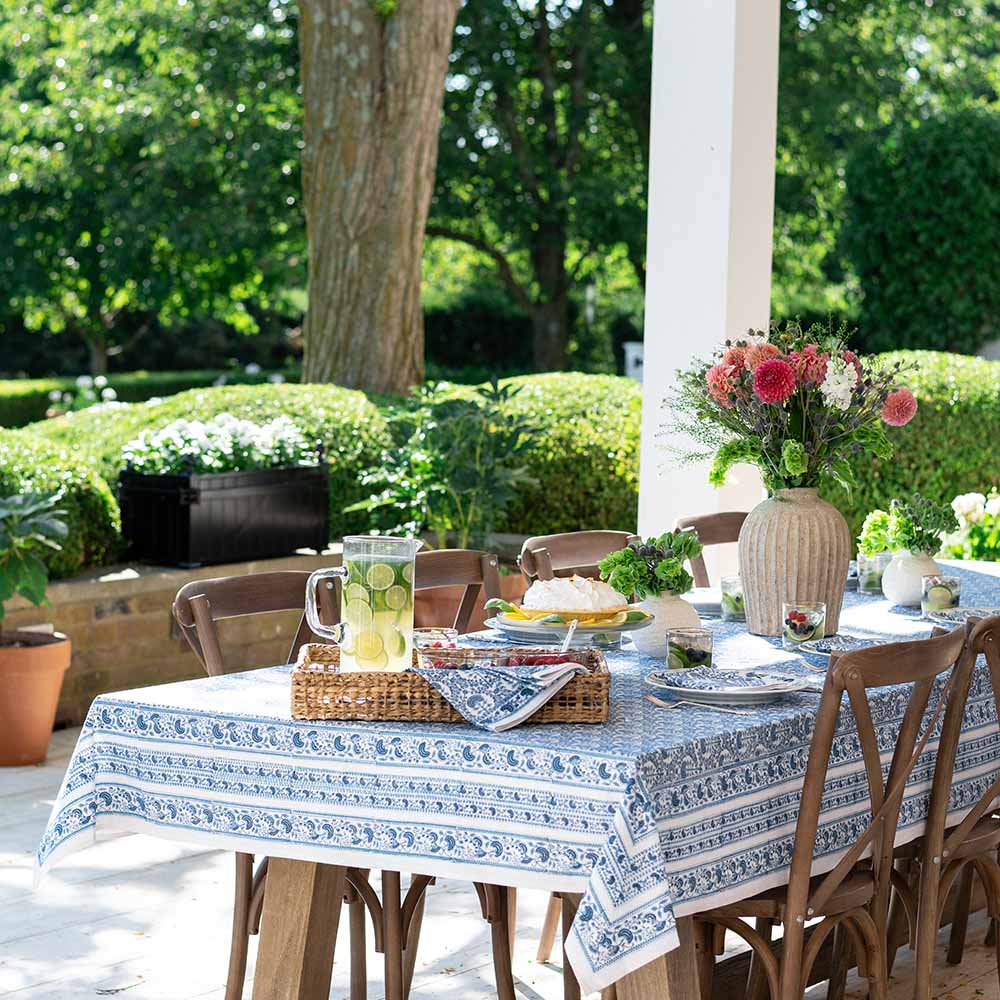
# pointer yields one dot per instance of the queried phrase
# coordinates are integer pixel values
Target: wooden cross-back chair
(712, 529)
(197, 608)
(853, 898)
(570, 553)
(947, 858)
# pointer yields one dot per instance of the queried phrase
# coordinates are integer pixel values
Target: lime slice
(355, 592)
(396, 597)
(939, 598)
(674, 662)
(380, 576)
(378, 662)
(408, 573)
(369, 646)
(359, 615)
(395, 642)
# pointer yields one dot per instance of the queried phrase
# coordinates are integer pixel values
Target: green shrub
(921, 230)
(586, 460)
(350, 428)
(27, 463)
(949, 447)
(23, 401)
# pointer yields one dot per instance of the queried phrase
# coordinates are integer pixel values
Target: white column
(711, 210)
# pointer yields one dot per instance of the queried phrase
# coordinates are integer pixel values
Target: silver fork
(697, 704)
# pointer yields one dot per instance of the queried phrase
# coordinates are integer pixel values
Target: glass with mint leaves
(688, 647)
(874, 552)
(733, 608)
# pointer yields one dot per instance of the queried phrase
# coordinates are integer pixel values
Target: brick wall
(120, 624)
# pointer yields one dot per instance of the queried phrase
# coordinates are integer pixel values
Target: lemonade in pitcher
(376, 602)
(377, 605)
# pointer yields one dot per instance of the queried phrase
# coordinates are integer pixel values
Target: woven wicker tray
(320, 692)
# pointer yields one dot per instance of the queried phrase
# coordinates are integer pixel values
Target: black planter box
(193, 519)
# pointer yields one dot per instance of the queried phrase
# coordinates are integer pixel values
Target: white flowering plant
(223, 444)
(88, 391)
(978, 534)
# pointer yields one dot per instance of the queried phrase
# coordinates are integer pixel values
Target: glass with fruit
(688, 647)
(939, 593)
(432, 637)
(376, 603)
(733, 609)
(870, 570)
(801, 622)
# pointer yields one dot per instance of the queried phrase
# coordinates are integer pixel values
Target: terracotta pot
(440, 605)
(669, 611)
(902, 581)
(793, 547)
(31, 675)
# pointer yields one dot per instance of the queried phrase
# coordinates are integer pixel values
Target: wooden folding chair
(852, 900)
(712, 529)
(570, 553)
(945, 860)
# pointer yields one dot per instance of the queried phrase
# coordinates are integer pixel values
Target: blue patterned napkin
(710, 679)
(499, 698)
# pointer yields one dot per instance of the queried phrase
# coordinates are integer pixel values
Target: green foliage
(918, 524)
(24, 401)
(150, 158)
(652, 566)
(585, 457)
(978, 535)
(874, 536)
(91, 514)
(921, 230)
(30, 524)
(948, 446)
(459, 463)
(350, 428)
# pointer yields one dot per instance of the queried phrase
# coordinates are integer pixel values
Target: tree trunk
(550, 313)
(372, 89)
(97, 347)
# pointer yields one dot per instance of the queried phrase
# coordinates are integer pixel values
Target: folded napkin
(712, 679)
(499, 698)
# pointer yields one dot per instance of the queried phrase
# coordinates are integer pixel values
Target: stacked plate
(712, 686)
(959, 616)
(585, 635)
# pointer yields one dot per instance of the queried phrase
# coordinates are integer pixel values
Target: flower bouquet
(801, 406)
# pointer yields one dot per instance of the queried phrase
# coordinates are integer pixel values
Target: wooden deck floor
(149, 920)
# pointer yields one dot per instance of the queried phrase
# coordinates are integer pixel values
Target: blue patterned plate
(840, 644)
(959, 616)
(710, 685)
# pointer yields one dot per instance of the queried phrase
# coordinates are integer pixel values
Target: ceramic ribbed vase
(793, 547)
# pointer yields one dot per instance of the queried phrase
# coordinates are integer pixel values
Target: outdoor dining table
(651, 817)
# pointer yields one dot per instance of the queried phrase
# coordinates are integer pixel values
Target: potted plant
(32, 664)
(653, 570)
(874, 552)
(802, 407)
(225, 490)
(915, 530)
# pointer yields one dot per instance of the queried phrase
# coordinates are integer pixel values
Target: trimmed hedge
(24, 401)
(951, 446)
(91, 510)
(351, 429)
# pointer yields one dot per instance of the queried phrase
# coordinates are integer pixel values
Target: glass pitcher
(376, 602)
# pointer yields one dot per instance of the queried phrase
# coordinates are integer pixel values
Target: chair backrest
(201, 603)
(455, 567)
(568, 554)
(920, 664)
(712, 529)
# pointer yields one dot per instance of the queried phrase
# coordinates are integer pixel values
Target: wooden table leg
(297, 931)
(674, 976)
(392, 917)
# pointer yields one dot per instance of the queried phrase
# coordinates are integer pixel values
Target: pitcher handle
(335, 633)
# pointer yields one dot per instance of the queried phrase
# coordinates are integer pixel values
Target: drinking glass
(733, 609)
(802, 621)
(376, 603)
(688, 647)
(870, 570)
(939, 593)
(435, 638)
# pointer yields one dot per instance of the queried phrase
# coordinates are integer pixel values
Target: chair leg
(757, 985)
(410, 946)
(552, 917)
(960, 916)
(511, 919)
(500, 933)
(357, 915)
(839, 964)
(704, 938)
(392, 917)
(241, 928)
(571, 988)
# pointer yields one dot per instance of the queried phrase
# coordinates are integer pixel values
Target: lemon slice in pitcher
(368, 646)
(355, 592)
(380, 576)
(396, 597)
(359, 615)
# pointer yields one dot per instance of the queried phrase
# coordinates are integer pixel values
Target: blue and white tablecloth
(655, 815)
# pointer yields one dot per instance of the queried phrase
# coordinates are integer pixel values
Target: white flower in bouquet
(993, 506)
(969, 508)
(838, 386)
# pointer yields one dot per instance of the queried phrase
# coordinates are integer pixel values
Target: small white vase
(669, 611)
(901, 581)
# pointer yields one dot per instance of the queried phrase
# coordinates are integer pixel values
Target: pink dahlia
(809, 364)
(735, 357)
(774, 381)
(757, 354)
(899, 407)
(721, 380)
